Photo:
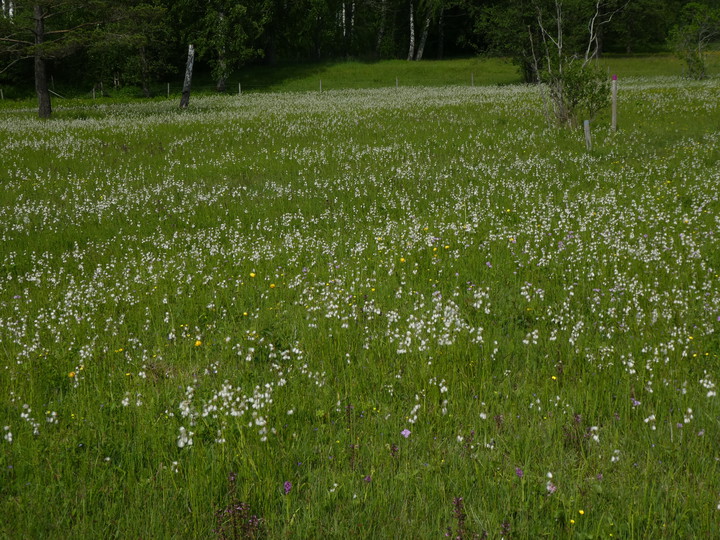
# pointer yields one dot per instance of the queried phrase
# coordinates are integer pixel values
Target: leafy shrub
(577, 90)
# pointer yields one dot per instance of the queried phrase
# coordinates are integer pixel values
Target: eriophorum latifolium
(386, 312)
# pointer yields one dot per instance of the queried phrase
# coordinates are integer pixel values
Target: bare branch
(536, 67)
(615, 12)
(558, 15)
(593, 34)
(11, 64)
(19, 41)
(596, 21)
(545, 37)
(68, 30)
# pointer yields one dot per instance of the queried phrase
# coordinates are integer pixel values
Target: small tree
(701, 25)
(576, 90)
(575, 83)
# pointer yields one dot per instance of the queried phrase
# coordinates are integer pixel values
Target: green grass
(336, 75)
(436, 260)
(655, 65)
(306, 77)
(481, 70)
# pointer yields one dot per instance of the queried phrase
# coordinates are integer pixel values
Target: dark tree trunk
(349, 14)
(317, 40)
(441, 37)
(381, 30)
(185, 99)
(144, 72)
(222, 69)
(271, 48)
(41, 83)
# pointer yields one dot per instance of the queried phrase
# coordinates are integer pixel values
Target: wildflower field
(388, 313)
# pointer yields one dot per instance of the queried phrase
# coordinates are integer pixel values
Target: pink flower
(405, 433)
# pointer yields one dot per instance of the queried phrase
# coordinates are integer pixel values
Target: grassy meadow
(386, 313)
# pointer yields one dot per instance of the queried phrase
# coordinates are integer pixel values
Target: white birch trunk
(352, 21)
(423, 40)
(342, 18)
(8, 9)
(185, 99)
(411, 52)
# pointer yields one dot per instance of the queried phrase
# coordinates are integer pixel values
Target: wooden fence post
(588, 139)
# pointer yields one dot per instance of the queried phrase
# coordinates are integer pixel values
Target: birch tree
(346, 19)
(7, 9)
(573, 82)
(411, 50)
(187, 82)
(431, 10)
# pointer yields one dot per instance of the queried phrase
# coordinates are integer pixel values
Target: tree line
(138, 42)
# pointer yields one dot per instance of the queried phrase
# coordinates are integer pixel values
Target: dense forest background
(136, 43)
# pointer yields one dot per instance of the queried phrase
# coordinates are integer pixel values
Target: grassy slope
(338, 75)
(487, 71)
